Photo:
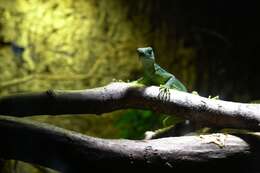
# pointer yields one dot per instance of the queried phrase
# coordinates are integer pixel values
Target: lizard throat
(148, 67)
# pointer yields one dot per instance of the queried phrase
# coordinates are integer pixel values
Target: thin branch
(200, 110)
(45, 77)
(68, 151)
(16, 81)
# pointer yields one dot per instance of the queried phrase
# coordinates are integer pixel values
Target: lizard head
(146, 53)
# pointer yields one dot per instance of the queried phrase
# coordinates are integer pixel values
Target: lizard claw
(164, 93)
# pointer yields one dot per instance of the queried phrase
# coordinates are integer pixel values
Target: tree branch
(68, 151)
(201, 111)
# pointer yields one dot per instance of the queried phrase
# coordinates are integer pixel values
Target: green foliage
(170, 120)
(133, 123)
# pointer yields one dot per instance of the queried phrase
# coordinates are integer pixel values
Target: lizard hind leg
(174, 83)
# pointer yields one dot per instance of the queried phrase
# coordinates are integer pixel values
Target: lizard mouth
(140, 52)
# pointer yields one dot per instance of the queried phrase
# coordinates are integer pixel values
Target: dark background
(225, 35)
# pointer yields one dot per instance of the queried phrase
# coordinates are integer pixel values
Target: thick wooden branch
(202, 111)
(68, 151)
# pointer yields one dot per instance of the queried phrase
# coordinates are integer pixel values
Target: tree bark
(200, 110)
(68, 151)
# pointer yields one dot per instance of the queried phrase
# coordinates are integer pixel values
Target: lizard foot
(214, 98)
(164, 93)
(117, 80)
(210, 97)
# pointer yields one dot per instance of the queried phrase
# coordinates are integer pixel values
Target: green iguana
(154, 74)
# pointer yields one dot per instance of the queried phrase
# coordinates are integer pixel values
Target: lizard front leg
(171, 83)
(164, 93)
